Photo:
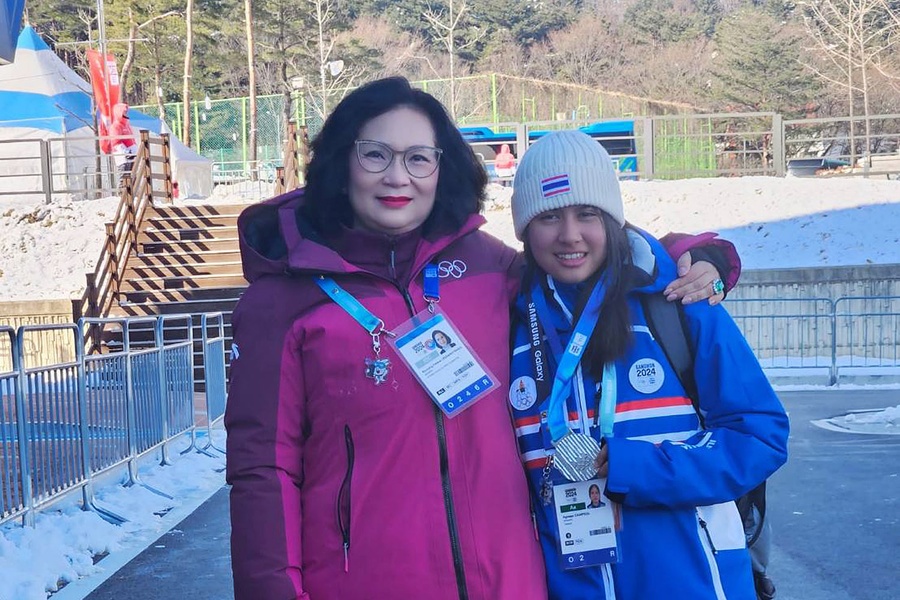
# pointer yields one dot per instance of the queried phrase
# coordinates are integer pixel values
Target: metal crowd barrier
(213, 372)
(62, 425)
(843, 339)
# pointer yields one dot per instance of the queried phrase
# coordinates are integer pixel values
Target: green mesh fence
(220, 129)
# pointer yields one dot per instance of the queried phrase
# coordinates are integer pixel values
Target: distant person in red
(505, 164)
(124, 148)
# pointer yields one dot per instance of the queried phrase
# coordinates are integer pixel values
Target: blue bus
(616, 136)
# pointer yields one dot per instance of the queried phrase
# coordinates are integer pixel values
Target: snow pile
(65, 540)
(45, 250)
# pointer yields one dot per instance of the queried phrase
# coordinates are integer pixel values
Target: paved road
(191, 561)
(834, 509)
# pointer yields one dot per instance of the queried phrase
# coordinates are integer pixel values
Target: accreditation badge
(587, 524)
(443, 362)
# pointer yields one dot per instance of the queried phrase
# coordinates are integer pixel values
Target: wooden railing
(296, 157)
(150, 179)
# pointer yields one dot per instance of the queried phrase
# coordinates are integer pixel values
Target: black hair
(591, 489)
(435, 333)
(461, 178)
(612, 336)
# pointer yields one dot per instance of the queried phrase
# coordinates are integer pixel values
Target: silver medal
(575, 456)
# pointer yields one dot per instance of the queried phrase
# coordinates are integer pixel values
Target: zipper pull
(537, 537)
(346, 557)
(708, 536)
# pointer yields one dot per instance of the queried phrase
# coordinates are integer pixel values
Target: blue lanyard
(360, 313)
(345, 300)
(608, 391)
(557, 413)
(431, 283)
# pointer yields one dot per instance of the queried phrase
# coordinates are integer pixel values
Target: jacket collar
(274, 241)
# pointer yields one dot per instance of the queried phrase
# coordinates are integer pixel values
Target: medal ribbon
(557, 413)
(608, 392)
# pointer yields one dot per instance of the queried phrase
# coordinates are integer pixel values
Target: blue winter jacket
(681, 534)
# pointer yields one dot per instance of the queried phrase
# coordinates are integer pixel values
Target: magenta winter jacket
(344, 490)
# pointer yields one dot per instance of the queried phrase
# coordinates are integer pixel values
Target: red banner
(105, 82)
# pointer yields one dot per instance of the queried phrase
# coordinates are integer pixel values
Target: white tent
(43, 99)
(192, 172)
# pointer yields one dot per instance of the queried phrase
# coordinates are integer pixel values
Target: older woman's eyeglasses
(375, 157)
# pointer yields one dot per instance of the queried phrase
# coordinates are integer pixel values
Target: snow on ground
(774, 222)
(875, 422)
(45, 251)
(61, 546)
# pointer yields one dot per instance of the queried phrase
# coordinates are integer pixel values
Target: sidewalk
(192, 560)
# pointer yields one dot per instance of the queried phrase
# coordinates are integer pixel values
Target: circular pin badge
(646, 376)
(575, 456)
(523, 393)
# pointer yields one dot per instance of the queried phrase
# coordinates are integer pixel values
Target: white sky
(45, 251)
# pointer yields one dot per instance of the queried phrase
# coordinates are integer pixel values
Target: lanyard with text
(439, 357)
(557, 413)
(376, 368)
(607, 408)
(574, 454)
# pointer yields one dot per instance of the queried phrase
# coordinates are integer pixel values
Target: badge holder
(442, 361)
(588, 526)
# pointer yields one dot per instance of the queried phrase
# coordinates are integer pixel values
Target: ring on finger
(718, 286)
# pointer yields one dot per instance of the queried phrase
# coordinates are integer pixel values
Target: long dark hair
(612, 336)
(461, 179)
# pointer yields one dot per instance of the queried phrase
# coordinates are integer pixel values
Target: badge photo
(646, 376)
(523, 393)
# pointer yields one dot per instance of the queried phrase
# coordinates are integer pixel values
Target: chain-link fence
(220, 129)
(668, 140)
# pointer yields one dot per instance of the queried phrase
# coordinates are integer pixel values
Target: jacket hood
(120, 111)
(652, 267)
(275, 240)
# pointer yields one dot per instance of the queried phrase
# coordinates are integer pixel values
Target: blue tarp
(43, 93)
(10, 24)
(59, 113)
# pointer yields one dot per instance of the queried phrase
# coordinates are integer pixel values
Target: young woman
(349, 479)
(608, 412)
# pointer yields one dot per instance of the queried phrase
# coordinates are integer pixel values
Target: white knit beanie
(565, 168)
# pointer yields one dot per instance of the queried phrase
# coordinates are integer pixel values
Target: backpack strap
(666, 322)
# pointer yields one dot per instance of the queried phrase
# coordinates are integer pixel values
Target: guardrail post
(521, 139)
(279, 181)
(113, 259)
(46, 172)
(130, 212)
(303, 151)
(148, 166)
(832, 376)
(163, 390)
(18, 357)
(167, 168)
(76, 309)
(93, 309)
(778, 152)
(649, 168)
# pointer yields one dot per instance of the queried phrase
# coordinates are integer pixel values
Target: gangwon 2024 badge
(646, 376)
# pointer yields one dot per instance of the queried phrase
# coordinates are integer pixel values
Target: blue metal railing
(61, 425)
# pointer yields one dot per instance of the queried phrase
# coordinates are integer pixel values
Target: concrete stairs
(186, 261)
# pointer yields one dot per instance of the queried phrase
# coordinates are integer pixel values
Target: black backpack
(666, 322)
